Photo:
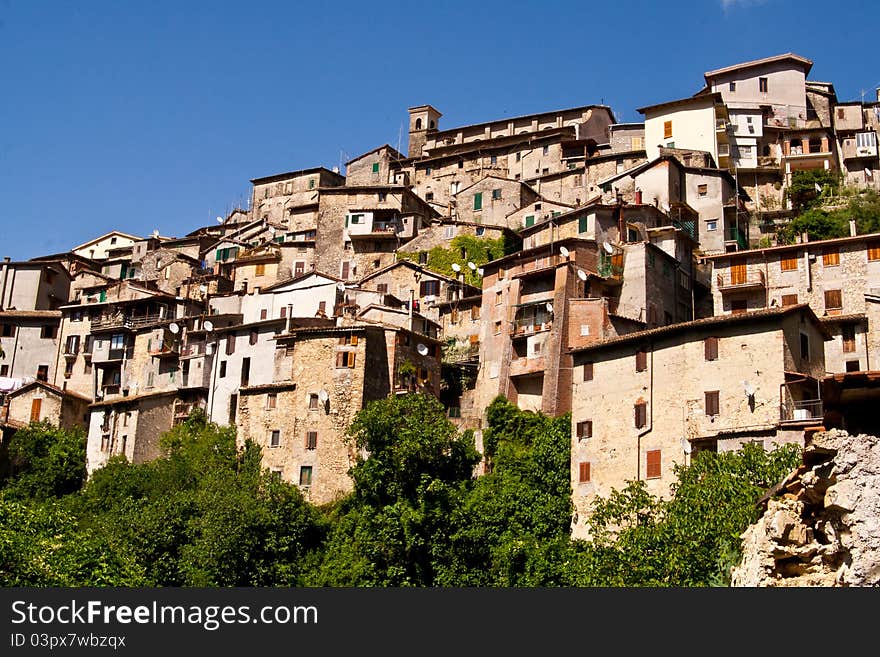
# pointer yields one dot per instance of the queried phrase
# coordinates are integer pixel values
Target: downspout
(650, 426)
(3, 284)
(14, 350)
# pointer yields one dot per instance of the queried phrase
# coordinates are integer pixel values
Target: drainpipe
(3, 284)
(650, 426)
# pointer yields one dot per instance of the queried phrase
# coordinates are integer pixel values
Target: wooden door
(737, 273)
(36, 405)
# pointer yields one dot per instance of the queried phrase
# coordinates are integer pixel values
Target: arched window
(432, 125)
(418, 124)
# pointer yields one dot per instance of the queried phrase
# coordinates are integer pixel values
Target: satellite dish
(480, 271)
(748, 389)
(456, 267)
(219, 220)
(608, 248)
(155, 233)
(582, 274)
(472, 266)
(203, 288)
(209, 325)
(422, 349)
(549, 307)
(563, 251)
(686, 446)
(340, 286)
(270, 230)
(174, 328)
(323, 395)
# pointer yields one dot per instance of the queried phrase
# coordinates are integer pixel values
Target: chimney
(852, 227)
(805, 237)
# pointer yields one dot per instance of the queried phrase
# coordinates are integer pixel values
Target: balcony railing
(740, 280)
(125, 321)
(801, 410)
(193, 349)
(734, 234)
(527, 326)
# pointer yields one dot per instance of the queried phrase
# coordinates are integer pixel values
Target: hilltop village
(627, 273)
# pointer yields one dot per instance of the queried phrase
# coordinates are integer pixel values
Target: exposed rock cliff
(823, 527)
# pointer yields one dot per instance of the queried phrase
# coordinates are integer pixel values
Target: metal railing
(126, 321)
(799, 410)
(734, 234)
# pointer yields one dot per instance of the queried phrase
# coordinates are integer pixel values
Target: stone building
(39, 401)
(643, 402)
(29, 341)
(99, 247)
(855, 126)
(832, 276)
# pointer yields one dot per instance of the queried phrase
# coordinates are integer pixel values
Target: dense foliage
(463, 249)
(826, 214)
(206, 514)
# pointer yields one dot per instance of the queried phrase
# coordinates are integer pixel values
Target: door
(36, 405)
(737, 273)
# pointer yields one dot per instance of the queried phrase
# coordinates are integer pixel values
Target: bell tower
(423, 120)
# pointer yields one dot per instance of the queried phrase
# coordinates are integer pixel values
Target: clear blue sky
(155, 115)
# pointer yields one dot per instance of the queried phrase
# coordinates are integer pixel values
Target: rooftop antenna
(400, 132)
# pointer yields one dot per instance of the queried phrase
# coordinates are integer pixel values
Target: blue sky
(155, 115)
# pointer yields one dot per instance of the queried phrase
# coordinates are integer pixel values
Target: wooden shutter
(478, 201)
(830, 257)
(382, 287)
(712, 403)
(874, 251)
(588, 371)
(584, 472)
(345, 266)
(641, 361)
(789, 300)
(711, 348)
(585, 429)
(653, 464)
(36, 405)
(339, 357)
(833, 300)
(738, 273)
(311, 439)
(641, 414)
(423, 288)
(582, 224)
(667, 129)
(848, 335)
(788, 263)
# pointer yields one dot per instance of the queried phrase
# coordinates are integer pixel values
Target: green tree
(46, 462)
(803, 192)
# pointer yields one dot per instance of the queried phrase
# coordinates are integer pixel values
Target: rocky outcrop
(821, 525)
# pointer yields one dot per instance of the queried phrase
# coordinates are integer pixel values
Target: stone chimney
(852, 227)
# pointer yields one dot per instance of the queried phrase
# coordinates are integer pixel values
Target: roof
(394, 152)
(31, 314)
(411, 265)
(131, 398)
(290, 174)
(112, 233)
(805, 63)
(507, 119)
(669, 330)
(794, 247)
(689, 100)
(50, 388)
(294, 279)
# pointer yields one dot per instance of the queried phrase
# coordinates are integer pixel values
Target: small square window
(584, 472)
(585, 429)
(653, 470)
(305, 475)
(271, 400)
(732, 86)
(275, 438)
(712, 224)
(313, 402)
(311, 440)
(702, 190)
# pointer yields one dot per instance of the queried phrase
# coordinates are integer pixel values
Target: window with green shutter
(478, 201)
(530, 220)
(582, 224)
(102, 296)
(375, 167)
(124, 271)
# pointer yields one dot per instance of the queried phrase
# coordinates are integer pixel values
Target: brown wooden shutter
(789, 300)
(641, 361)
(641, 414)
(311, 439)
(833, 300)
(653, 464)
(345, 266)
(588, 371)
(36, 405)
(712, 403)
(584, 472)
(354, 340)
(711, 348)
(339, 357)
(874, 251)
(830, 257)
(738, 273)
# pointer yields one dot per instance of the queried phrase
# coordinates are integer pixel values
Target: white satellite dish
(340, 286)
(219, 220)
(209, 325)
(422, 349)
(323, 395)
(155, 233)
(456, 267)
(472, 266)
(686, 446)
(480, 271)
(748, 389)
(563, 251)
(270, 230)
(608, 248)
(582, 274)
(203, 288)
(174, 327)
(549, 307)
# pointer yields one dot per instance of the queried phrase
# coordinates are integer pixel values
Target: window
(461, 164)
(712, 224)
(518, 157)
(428, 288)
(480, 230)
(230, 344)
(530, 220)
(382, 288)
(805, 347)
(833, 300)
(382, 197)
(584, 472)
(222, 372)
(478, 201)
(245, 371)
(498, 327)
(738, 306)
(830, 257)
(852, 366)
(71, 346)
(42, 373)
(732, 86)
(641, 361)
(311, 183)
(640, 413)
(874, 251)
(305, 475)
(313, 402)
(254, 336)
(789, 300)
(49, 331)
(275, 438)
(762, 85)
(652, 462)
(493, 159)
(588, 371)
(710, 346)
(345, 359)
(260, 270)
(35, 409)
(348, 339)
(667, 129)
(322, 308)
(68, 369)
(283, 313)
(375, 167)
(346, 266)
(498, 298)
(582, 224)
(711, 403)
(311, 439)
(848, 336)
(585, 429)
(788, 263)
(271, 400)
(702, 190)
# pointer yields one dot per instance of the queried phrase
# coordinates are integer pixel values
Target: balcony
(737, 280)
(863, 146)
(193, 349)
(734, 235)
(801, 410)
(125, 321)
(532, 317)
(165, 351)
(610, 266)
